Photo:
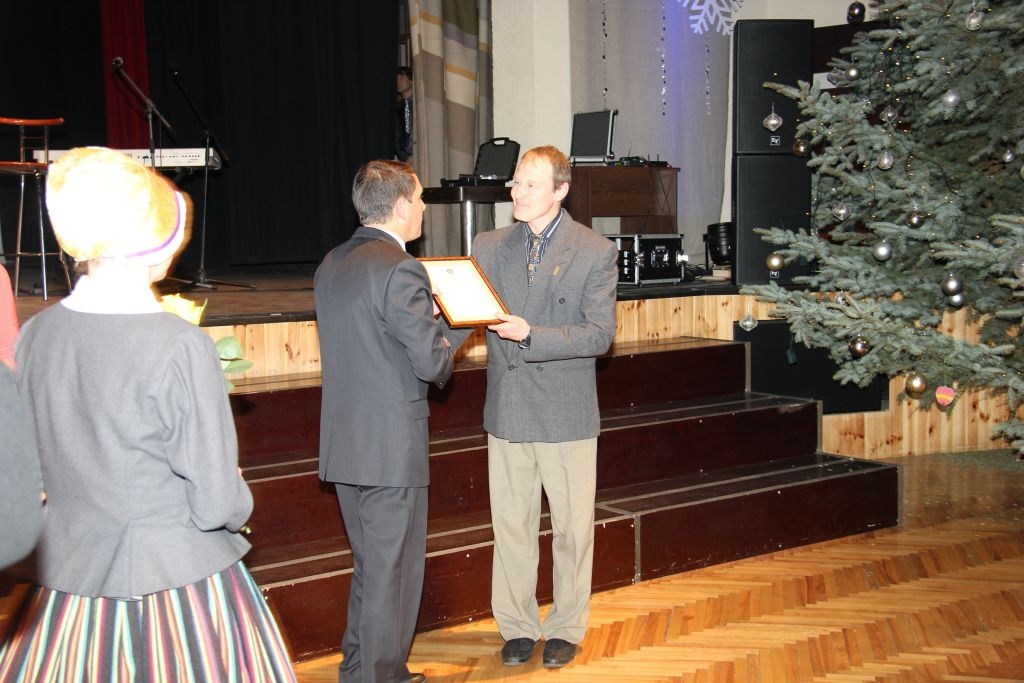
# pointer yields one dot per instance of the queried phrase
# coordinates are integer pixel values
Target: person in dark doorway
(558, 278)
(403, 114)
(381, 348)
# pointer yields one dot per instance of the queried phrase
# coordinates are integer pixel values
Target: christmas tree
(917, 196)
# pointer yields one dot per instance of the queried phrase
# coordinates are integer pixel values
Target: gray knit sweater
(138, 452)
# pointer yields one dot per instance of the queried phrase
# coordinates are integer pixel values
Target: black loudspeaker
(768, 50)
(781, 365)
(768, 191)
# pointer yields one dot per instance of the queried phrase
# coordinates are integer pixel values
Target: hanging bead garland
(664, 82)
(604, 53)
(707, 73)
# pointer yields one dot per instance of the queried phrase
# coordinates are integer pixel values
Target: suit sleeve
(592, 334)
(409, 315)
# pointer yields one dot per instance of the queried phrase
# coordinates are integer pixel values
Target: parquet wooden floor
(939, 598)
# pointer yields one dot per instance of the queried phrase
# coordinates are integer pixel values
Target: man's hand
(512, 327)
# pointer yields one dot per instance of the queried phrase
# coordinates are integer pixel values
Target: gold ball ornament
(916, 385)
(775, 262)
(945, 395)
(801, 147)
(859, 347)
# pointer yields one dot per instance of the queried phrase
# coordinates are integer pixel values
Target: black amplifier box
(649, 259)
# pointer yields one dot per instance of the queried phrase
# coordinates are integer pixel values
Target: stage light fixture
(719, 244)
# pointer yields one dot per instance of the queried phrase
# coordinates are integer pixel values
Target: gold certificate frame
(462, 291)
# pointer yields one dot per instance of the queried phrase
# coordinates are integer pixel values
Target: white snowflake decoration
(708, 15)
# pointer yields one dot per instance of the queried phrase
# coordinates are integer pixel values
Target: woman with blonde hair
(138, 565)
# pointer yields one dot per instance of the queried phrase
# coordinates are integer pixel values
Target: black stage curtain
(45, 48)
(299, 95)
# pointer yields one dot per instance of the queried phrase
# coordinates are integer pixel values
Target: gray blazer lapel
(512, 272)
(557, 258)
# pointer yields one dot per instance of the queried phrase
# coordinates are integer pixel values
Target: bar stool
(34, 160)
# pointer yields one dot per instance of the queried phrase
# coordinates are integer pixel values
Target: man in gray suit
(558, 278)
(381, 347)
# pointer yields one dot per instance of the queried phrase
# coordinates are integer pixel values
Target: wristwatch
(524, 343)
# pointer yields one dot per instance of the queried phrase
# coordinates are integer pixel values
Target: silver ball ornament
(951, 98)
(773, 121)
(855, 13)
(916, 385)
(859, 347)
(885, 160)
(956, 300)
(852, 72)
(774, 261)
(951, 285)
(1008, 156)
(974, 21)
(915, 219)
(882, 251)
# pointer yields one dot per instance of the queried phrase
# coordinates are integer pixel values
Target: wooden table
(643, 197)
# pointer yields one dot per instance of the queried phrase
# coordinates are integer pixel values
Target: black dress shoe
(517, 651)
(417, 678)
(558, 653)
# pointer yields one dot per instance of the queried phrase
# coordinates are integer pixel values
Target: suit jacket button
(511, 367)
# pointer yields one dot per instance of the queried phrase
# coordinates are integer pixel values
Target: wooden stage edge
(276, 323)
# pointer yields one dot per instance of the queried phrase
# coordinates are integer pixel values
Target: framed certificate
(462, 291)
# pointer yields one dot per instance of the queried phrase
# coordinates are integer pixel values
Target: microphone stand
(209, 140)
(151, 109)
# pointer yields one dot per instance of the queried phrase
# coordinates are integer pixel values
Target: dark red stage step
(692, 471)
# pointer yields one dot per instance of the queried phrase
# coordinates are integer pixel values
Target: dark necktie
(533, 259)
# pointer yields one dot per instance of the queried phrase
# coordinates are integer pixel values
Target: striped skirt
(215, 630)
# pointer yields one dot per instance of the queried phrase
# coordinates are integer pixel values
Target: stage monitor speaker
(768, 50)
(768, 191)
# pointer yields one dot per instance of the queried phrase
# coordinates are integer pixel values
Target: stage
(280, 293)
(284, 292)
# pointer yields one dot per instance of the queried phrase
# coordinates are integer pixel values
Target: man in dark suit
(381, 347)
(558, 279)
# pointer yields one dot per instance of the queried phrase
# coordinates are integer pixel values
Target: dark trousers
(387, 531)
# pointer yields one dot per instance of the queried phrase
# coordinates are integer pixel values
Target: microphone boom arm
(151, 109)
(207, 130)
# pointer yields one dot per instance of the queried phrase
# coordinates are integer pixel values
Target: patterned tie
(533, 259)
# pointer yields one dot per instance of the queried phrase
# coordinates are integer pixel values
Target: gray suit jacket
(380, 348)
(548, 392)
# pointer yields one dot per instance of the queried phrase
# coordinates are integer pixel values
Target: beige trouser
(567, 472)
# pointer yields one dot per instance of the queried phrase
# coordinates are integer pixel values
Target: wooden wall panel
(292, 348)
